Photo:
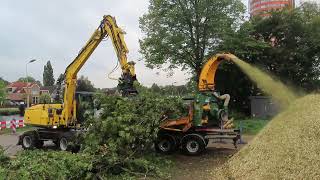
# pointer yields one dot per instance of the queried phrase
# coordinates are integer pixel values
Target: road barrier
(13, 124)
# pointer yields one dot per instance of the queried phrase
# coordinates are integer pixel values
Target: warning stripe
(11, 124)
(3, 124)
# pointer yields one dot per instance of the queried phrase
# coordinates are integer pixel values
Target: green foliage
(29, 79)
(84, 84)
(293, 57)
(252, 126)
(4, 81)
(48, 78)
(3, 93)
(122, 138)
(40, 164)
(9, 111)
(26, 79)
(3, 158)
(118, 145)
(181, 32)
(45, 98)
(170, 90)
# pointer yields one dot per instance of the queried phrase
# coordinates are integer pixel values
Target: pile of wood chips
(287, 148)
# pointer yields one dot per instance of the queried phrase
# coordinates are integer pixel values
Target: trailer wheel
(193, 144)
(28, 141)
(63, 143)
(165, 144)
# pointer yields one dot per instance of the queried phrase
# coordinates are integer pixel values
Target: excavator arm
(107, 28)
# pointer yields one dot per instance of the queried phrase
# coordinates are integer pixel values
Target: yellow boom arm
(107, 27)
(208, 72)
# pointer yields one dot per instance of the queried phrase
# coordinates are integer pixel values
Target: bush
(118, 145)
(9, 111)
(40, 164)
(3, 158)
(122, 138)
(252, 126)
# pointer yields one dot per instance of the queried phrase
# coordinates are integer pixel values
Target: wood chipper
(207, 118)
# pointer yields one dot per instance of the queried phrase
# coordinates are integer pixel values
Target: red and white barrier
(13, 124)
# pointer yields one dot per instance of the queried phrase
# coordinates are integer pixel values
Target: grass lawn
(8, 131)
(252, 126)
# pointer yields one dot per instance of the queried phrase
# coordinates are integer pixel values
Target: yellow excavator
(58, 122)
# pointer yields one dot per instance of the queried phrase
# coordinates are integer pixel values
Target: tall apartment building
(264, 7)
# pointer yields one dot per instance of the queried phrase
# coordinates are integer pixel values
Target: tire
(28, 141)
(165, 144)
(193, 144)
(63, 143)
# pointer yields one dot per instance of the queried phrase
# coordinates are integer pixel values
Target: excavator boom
(65, 115)
(58, 122)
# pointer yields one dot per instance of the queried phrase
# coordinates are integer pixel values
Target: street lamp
(31, 61)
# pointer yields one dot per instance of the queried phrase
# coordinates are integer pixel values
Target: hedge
(9, 111)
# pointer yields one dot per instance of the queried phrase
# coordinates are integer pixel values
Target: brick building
(19, 91)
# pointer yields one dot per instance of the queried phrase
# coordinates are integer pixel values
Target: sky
(57, 30)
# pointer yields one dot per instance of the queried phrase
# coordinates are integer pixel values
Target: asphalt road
(9, 143)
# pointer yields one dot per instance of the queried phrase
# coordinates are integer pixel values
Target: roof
(20, 85)
(48, 88)
(15, 97)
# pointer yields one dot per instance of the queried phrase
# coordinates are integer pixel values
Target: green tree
(155, 88)
(45, 99)
(181, 32)
(84, 84)
(292, 56)
(48, 78)
(29, 79)
(2, 91)
(4, 81)
(26, 79)
(60, 79)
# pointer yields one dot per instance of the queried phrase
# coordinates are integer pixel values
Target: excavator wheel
(63, 143)
(193, 144)
(165, 144)
(28, 141)
(65, 140)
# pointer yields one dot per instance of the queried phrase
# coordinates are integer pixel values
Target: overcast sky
(57, 30)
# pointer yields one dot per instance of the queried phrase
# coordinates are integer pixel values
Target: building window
(35, 100)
